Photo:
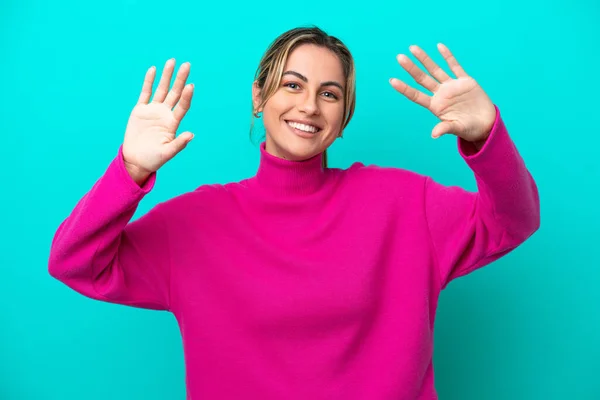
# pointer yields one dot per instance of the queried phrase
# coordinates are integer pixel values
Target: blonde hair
(270, 69)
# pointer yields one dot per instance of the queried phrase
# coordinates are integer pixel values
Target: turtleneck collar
(290, 177)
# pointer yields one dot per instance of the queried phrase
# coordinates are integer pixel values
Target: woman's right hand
(150, 139)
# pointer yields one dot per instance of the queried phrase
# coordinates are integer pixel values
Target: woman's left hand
(460, 103)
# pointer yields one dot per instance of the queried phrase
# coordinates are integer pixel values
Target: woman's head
(305, 89)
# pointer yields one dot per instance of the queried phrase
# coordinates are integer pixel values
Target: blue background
(525, 327)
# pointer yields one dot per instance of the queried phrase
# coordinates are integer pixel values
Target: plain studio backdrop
(524, 327)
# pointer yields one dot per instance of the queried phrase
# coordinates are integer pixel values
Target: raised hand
(150, 140)
(460, 103)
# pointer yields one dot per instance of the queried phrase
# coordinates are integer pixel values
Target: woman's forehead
(315, 62)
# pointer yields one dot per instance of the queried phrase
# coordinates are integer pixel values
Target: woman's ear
(256, 97)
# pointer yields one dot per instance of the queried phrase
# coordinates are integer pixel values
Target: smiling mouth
(304, 128)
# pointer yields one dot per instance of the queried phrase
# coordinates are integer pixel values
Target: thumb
(445, 127)
(179, 143)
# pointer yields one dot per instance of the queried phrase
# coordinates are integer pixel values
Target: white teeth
(302, 127)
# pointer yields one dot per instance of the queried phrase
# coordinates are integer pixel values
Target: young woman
(303, 281)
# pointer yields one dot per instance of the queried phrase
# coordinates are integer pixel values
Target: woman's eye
(295, 86)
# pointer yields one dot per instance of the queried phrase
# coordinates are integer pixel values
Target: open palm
(464, 109)
(150, 138)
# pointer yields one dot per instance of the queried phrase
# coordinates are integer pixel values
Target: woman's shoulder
(204, 196)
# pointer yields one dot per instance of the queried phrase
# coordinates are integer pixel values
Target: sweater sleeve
(99, 253)
(469, 230)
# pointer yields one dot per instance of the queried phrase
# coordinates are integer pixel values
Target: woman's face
(304, 116)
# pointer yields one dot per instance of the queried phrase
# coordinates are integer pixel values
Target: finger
(411, 93)
(417, 73)
(165, 81)
(175, 93)
(451, 60)
(184, 103)
(147, 86)
(434, 69)
(178, 144)
(447, 127)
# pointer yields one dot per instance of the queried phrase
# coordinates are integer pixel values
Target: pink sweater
(300, 283)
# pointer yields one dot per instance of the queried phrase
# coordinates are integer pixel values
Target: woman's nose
(309, 104)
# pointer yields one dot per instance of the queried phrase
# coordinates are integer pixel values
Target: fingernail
(403, 58)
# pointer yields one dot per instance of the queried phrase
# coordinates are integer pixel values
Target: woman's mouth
(303, 130)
